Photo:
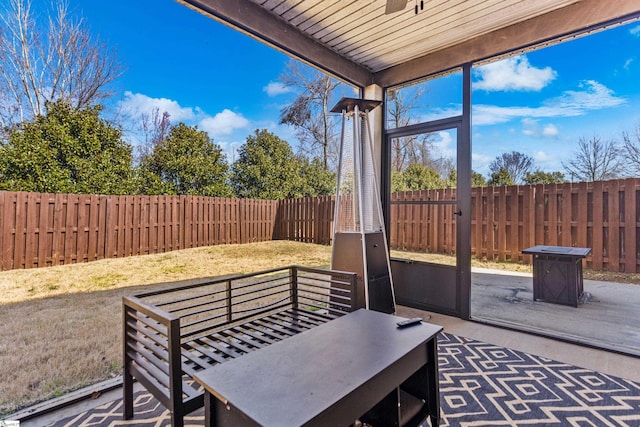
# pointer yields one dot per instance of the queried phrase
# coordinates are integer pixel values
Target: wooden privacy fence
(603, 215)
(307, 220)
(39, 230)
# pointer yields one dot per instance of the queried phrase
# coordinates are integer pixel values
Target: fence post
(613, 217)
(630, 225)
(582, 226)
(4, 228)
(598, 251)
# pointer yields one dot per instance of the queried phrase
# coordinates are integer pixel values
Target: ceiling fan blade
(394, 6)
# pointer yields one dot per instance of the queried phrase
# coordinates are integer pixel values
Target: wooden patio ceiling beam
(574, 19)
(249, 18)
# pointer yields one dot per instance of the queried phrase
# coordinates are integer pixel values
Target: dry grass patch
(62, 325)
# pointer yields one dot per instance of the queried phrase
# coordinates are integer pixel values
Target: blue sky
(204, 73)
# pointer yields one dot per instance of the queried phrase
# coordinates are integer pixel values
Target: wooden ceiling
(356, 41)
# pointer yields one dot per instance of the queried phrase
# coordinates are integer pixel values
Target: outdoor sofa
(172, 333)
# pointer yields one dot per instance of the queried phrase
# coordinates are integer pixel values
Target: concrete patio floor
(607, 317)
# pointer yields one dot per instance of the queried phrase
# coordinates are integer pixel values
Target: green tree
(477, 179)
(266, 168)
(500, 177)
(67, 150)
(416, 177)
(540, 177)
(187, 161)
(315, 179)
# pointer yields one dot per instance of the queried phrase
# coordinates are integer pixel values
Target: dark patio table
(557, 273)
(347, 369)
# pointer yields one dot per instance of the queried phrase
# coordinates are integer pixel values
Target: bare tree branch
(595, 160)
(60, 62)
(309, 113)
(631, 145)
(414, 149)
(154, 128)
(515, 164)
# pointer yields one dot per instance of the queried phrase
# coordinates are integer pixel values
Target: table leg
(209, 410)
(432, 380)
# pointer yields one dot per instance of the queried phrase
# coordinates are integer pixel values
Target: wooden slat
(630, 232)
(528, 220)
(19, 219)
(477, 217)
(112, 232)
(614, 226)
(6, 238)
(551, 233)
(582, 225)
(539, 214)
(491, 223)
(598, 226)
(82, 228)
(513, 244)
(93, 228)
(31, 230)
(565, 215)
(502, 223)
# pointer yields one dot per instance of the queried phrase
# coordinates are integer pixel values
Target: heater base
(348, 256)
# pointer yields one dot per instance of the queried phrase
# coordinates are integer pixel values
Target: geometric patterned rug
(480, 385)
(487, 385)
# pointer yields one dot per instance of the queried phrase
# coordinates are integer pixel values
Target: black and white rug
(480, 385)
(486, 385)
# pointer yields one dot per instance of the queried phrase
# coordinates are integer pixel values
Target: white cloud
(635, 31)
(440, 113)
(445, 145)
(531, 127)
(137, 103)
(593, 96)
(542, 157)
(550, 131)
(627, 63)
(513, 74)
(480, 162)
(223, 123)
(221, 127)
(276, 88)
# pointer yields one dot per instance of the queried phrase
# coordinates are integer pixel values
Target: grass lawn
(62, 325)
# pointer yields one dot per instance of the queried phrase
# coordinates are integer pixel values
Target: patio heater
(359, 239)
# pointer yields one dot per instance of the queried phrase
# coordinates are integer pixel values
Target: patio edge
(71, 398)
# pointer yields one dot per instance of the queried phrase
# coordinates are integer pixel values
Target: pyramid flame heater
(359, 239)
